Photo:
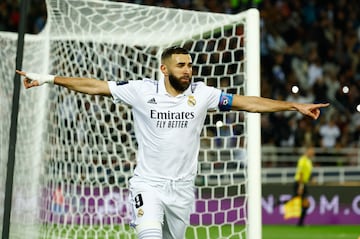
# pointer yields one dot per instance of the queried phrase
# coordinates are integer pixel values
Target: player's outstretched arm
(83, 85)
(263, 105)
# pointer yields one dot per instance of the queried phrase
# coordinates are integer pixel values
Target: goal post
(76, 153)
(254, 126)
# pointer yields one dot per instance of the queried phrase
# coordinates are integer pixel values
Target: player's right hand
(33, 79)
(28, 83)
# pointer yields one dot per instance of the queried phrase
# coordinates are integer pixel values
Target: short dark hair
(168, 52)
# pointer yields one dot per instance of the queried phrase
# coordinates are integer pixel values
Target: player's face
(180, 71)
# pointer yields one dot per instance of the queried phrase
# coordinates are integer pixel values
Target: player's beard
(178, 84)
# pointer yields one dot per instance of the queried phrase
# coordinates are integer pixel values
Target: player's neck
(171, 90)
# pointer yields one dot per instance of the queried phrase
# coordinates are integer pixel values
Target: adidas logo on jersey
(152, 101)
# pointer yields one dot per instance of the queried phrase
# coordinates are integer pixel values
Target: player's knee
(149, 230)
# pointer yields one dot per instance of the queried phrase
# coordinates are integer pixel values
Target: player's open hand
(28, 83)
(311, 110)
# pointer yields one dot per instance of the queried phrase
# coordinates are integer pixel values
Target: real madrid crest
(191, 100)
(140, 213)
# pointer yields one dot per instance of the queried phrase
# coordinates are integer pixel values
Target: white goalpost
(75, 153)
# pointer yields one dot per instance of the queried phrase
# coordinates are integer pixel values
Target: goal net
(75, 153)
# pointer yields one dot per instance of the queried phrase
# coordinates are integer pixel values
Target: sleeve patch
(225, 101)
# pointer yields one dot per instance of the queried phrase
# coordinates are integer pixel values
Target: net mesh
(76, 153)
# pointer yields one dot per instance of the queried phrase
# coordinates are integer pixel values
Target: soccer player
(168, 118)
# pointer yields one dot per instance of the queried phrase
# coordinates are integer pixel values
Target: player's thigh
(177, 212)
(146, 206)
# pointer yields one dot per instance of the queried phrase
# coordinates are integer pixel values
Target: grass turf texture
(218, 232)
(311, 232)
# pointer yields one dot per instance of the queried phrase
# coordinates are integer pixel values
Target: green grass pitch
(311, 232)
(219, 232)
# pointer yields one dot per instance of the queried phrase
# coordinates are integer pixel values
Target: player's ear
(163, 69)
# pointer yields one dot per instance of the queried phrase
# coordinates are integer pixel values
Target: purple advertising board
(107, 205)
(323, 210)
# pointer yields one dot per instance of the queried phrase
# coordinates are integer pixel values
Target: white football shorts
(161, 205)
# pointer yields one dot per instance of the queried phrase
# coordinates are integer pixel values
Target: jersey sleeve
(213, 96)
(125, 92)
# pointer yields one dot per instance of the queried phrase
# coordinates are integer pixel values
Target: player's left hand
(311, 110)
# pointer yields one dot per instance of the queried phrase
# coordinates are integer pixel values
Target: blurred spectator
(320, 90)
(329, 133)
(58, 199)
(13, 16)
(307, 134)
(315, 70)
(279, 76)
(4, 10)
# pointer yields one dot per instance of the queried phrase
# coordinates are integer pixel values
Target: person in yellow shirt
(302, 178)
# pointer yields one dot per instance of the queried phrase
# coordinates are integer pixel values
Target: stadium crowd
(310, 52)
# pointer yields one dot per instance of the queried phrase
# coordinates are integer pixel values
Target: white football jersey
(167, 128)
